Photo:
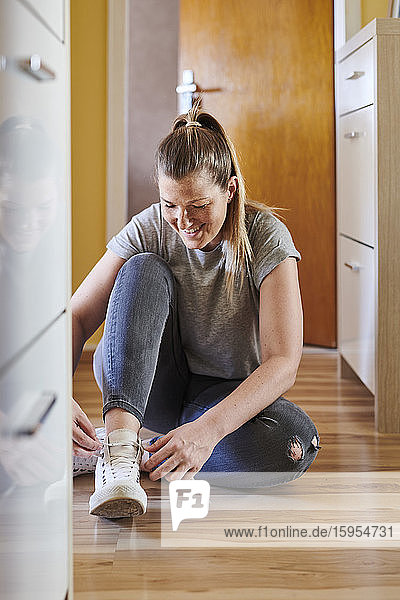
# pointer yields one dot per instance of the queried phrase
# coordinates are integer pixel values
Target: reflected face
(195, 208)
(26, 212)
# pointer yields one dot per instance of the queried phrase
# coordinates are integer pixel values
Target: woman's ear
(232, 187)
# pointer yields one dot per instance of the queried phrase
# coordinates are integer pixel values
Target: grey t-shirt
(219, 339)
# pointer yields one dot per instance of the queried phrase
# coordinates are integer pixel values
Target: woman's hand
(184, 450)
(84, 440)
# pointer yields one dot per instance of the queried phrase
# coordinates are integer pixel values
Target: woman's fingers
(83, 432)
(157, 444)
(165, 468)
(85, 424)
(81, 438)
(79, 451)
(157, 455)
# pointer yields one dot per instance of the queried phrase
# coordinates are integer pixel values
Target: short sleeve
(141, 234)
(271, 243)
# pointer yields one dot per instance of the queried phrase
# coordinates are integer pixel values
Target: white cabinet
(51, 13)
(357, 315)
(356, 79)
(368, 213)
(35, 351)
(33, 171)
(34, 494)
(356, 181)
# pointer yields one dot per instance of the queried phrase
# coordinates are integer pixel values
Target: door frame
(117, 116)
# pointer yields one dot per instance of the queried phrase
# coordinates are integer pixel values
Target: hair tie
(194, 123)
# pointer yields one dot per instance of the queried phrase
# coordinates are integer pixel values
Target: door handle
(355, 75)
(352, 265)
(186, 91)
(25, 421)
(351, 135)
(35, 67)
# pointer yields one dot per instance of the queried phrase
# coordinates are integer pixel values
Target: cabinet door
(357, 308)
(356, 176)
(356, 79)
(51, 13)
(34, 479)
(34, 208)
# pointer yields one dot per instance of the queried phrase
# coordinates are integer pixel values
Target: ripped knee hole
(295, 449)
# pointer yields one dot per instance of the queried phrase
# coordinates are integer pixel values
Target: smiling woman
(203, 332)
(195, 207)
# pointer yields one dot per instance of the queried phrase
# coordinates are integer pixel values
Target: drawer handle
(27, 422)
(35, 67)
(352, 265)
(352, 135)
(355, 75)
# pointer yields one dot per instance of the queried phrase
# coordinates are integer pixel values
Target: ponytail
(198, 143)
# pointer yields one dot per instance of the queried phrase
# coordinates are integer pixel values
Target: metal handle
(186, 91)
(352, 265)
(35, 67)
(351, 135)
(26, 420)
(3, 62)
(355, 75)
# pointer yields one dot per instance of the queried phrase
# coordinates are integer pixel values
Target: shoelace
(124, 461)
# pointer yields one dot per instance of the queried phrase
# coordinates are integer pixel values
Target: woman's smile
(195, 208)
(192, 231)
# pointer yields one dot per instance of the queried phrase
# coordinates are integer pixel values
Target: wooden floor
(123, 559)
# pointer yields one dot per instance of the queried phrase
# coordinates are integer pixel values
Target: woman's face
(195, 208)
(27, 210)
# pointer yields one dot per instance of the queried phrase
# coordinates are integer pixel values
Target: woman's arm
(89, 306)
(89, 303)
(281, 340)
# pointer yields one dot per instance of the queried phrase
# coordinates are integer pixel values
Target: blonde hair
(198, 143)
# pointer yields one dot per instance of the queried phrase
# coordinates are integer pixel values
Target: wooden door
(270, 64)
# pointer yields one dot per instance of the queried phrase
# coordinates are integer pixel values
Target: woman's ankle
(118, 418)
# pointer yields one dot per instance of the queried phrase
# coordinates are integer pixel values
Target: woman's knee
(146, 263)
(145, 271)
(294, 432)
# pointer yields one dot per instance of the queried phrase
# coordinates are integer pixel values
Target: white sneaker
(118, 492)
(82, 465)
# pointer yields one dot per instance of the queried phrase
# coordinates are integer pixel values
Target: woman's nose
(184, 219)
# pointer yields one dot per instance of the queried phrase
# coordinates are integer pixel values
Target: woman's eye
(173, 206)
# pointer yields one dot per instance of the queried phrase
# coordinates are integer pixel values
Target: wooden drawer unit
(368, 214)
(356, 176)
(356, 79)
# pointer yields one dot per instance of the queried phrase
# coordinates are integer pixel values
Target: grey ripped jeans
(141, 367)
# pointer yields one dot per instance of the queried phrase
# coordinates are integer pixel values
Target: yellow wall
(371, 9)
(88, 135)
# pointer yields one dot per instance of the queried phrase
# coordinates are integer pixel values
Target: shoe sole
(118, 508)
(118, 505)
